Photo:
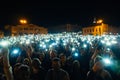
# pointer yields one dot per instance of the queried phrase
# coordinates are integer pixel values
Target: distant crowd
(62, 56)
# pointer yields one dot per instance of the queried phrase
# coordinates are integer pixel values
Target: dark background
(51, 13)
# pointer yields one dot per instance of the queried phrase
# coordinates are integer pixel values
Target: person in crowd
(53, 53)
(56, 73)
(63, 61)
(7, 67)
(98, 72)
(76, 71)
(23, 73)
(15, 69)
(38, 72)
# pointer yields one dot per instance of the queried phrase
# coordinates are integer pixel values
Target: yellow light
(99, 21)
(23, 21)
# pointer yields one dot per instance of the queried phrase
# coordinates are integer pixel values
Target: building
(1, 34)
(65, 28)
(27, 29)
(99, 28)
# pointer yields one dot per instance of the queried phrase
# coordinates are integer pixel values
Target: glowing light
(73, 49)
(44, 46)
(84, 45)
(15, 51)
(113, 42)
(108, 49)
(4, 43)
(76, 54)
(102, 41)
(99, 21)
(64, 44)
(108, 43)
(23, 21)
(107, 61)
(50, 46)
(28, 42)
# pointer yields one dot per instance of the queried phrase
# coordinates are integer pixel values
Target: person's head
(56, 63)
(76, 64)
(62, 58)
(99, 65)
(36, 64)
(26, 61)
(41, 56)
(97, 59)
(53, 54)
(23, 73)
(16, 67)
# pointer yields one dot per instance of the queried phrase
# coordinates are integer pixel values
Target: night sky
(51, 13)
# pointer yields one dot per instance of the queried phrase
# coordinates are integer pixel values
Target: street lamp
(23, 21)
(99, 21)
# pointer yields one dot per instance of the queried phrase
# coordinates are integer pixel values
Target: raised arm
(7, 68)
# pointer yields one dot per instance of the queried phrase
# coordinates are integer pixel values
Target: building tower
(94, 21)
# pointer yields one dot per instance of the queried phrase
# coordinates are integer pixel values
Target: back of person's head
(53, 53)
(41, 56)
(99, 65)
(23, 73)
(16, 67)
(62, 57)
(26, 61)
(97, 59)
(36, 63)
(76, 64)
(56, 63)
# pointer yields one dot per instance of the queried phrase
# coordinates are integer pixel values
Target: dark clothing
(57, 75)
(76, 75)
(100, 75)
(40, 75)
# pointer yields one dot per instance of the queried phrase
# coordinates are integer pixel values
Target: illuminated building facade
(1, 34)
(98, 29)
(27, 29)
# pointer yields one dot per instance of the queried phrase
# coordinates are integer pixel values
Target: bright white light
(64, 44)
(41, 45)
(113, 42)
(15, 51)
(57, 39)
(21, 42)
(73, 49)
(4, 43)
(44, 46)
(46, 50)
(78, 43)
(108, 49)
(47, 40)
(107, 61)
(108, 43)
(50, 46)
(54, 44)
(28, 42)
(84, 45)
(102, 41)
(76, 54)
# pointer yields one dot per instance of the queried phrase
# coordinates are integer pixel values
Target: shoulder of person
(105, 73)
(50, 70)
(63, 71)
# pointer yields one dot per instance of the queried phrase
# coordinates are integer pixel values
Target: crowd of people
(62, 56)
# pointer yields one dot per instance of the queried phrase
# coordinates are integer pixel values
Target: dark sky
(51, 13)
